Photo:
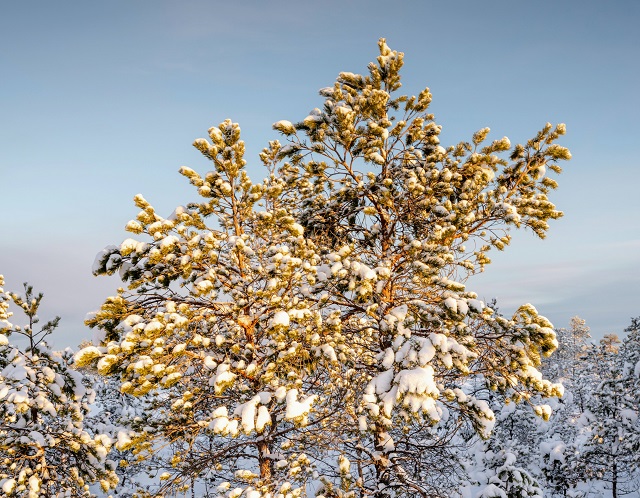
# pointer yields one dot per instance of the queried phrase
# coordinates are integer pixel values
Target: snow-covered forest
(317, 334)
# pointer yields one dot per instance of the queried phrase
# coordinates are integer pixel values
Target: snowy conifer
(609, 449)
(401, 222)
(631, 355)
(221, 333)
(45, 450)
(318, 323)
(503, 478)
(560, 447)
(566, 365)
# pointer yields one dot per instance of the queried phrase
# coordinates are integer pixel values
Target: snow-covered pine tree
(559, 458)
(113, 412)
(631, 355)
(45, 449)
(401, 222)
(506, 464)
(609, 443)
(559, 449)
(566, 365)
(502, 477)
(332, 322)
(222, 333)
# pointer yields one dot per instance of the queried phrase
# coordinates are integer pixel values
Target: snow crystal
(221, 411)
(475, 305)
(364, 272)
(169, 241)
(219, 425)
(463, 307)
(86, 355)
(100, 257)
(209, 363)
(362, 423)
(123, 440)
(329, 352)
(427, 352)
(131, 245)
(299, 314)
(37, 438)
(233, 428)
(554, 449)
(344, 464)
(284, 126)
(179, 348)
(8, 486)
(389, 400)
(323, 272)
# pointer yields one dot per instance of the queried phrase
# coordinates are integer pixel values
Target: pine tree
(113, 413)
(317, 326)
(631, 354)
(222, 333)
(404, 222)
(567, 362)
(503, 478)
(559, 451)
(609, 449)
(45, 449)
(506, 465)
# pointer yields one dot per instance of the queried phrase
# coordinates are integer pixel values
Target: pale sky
(100, 101)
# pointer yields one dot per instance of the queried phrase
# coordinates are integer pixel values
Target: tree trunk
(264, 461)
(614, 480)
(382, 467)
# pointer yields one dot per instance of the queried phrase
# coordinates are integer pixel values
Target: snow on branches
(322, 315)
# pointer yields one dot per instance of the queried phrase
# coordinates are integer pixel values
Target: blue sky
(100, 101)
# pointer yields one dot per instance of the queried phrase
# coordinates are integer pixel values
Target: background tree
(45, 449)
(506, 464)
(559, 447)
(113, 413)
(631, 355)
(566, 365)
(609, 449)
